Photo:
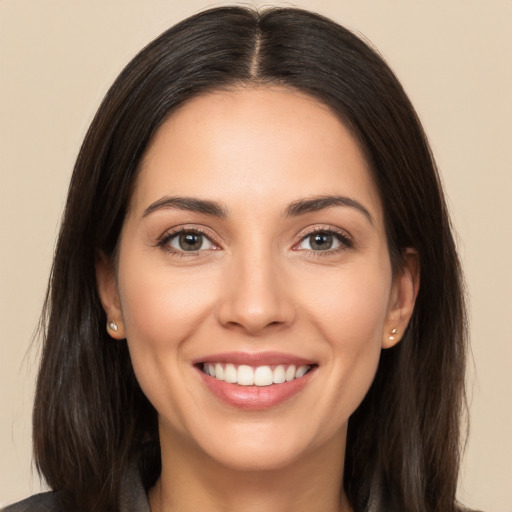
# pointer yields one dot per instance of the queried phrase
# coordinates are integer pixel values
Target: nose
(256, 296)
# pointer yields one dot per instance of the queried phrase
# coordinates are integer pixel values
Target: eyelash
(345, 241)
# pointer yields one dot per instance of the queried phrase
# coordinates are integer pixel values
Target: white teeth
(279, 374)
(230, 373)
(246, 375)
(219, 372)
(301, 371)
(263, 376)
(290, 373)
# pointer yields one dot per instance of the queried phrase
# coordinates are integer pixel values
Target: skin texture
(255, 285)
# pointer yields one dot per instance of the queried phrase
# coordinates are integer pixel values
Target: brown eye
(189, 241)
(321, 241)
(324, 240)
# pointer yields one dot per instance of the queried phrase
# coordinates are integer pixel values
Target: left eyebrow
(318, 203)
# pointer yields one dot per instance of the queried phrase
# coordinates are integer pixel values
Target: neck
(190, 483)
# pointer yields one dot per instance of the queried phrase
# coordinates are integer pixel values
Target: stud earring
(112, 326)
(392, 337)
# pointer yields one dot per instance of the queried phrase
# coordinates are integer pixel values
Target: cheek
(161, 307)
(350, 305)
(161, 311)
(348, 310)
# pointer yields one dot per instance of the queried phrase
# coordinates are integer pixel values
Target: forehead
(261, 146)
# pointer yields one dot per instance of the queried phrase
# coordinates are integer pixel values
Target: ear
(404, 291)
(109, 296)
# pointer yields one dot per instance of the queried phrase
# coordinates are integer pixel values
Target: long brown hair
(91, 418)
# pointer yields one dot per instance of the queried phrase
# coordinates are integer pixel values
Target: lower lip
(255, 397)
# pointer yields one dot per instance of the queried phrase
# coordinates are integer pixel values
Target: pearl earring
(112, 326)
(392, 337)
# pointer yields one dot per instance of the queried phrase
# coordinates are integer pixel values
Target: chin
(256, 458)
(269, 446)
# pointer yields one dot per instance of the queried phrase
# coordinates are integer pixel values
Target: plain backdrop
(454, 58)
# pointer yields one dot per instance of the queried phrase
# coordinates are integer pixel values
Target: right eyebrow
(190, 204)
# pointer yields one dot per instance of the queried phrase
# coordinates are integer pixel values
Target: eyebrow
(294, 209)
(317, 203)
(190, 204)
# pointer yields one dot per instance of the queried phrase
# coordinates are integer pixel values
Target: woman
(255, 301)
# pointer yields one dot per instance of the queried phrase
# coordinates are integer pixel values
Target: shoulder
(44, 502)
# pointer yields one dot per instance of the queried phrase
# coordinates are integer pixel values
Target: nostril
(253, 326)
(255, 304)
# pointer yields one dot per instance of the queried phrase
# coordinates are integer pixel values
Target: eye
(187, 241)
(324, 240)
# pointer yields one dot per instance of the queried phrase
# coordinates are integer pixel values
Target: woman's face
(254, 249)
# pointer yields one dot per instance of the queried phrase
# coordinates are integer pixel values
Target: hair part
(91, 418)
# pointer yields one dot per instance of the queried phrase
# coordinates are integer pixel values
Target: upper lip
(255, 359)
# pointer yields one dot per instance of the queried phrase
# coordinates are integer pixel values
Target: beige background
(57, 58)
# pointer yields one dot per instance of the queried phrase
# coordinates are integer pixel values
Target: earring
(392, 337)
(112, 326)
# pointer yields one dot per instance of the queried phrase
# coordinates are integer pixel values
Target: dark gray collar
(133, 497)
(133, 494)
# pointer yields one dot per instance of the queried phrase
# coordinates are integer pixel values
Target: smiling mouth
(260, 376)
